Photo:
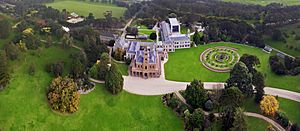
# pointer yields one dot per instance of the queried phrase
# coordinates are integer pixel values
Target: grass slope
(84, 8)
(23, 105)
(266, 2)
(290, 107)
(255, 124)
(290, 40)
(185, 65)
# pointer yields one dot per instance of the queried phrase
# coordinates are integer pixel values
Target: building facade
(146, 60)
(171, 36)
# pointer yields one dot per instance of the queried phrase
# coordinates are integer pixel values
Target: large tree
(227, 118)
(114, 80)
(153, 36)
(4, 71)
(67, 40)
(12, 51)
(196, 120)
(259, 83)
(78, 65)
(195, 94)
(93, 49)
(241, 77)
(63, 95)
(250, 61)
(197, 38)
(103, 66)
(231, 97)
(240, 123)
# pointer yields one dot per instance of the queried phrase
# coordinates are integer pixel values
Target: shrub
(114, 80)
(295, 127)
(269, 105)
(282, 119)
(182, 108)
(63, 95)
(209, 105)
(173, 103)
(211, 117)
(56, 68)
(31, 69)
(270, 128)
(12, 51)
(297, 37)
(296, 71)
(93, 71)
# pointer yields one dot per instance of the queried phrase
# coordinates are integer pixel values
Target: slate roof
(180, 38)
(151, 56)
(165, 32)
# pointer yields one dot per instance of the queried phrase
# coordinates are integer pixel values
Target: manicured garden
(186, 62)
(24, 105)
(84, 8)
(219, 59)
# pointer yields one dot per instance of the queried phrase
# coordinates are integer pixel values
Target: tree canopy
(269, 105)
(241, 77)
(114, 80)
(231, 97)
(195, 94)
(63, 95)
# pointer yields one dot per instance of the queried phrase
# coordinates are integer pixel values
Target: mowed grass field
(292, 46)
(84, 8)
(285, 105)
(23, 104)
(184, 65)
(266, 2)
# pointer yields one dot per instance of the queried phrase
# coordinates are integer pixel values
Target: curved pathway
(259, 116)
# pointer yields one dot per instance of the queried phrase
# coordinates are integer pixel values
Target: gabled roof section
(173, 21)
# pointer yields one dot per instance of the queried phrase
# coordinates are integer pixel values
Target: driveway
(160, 86)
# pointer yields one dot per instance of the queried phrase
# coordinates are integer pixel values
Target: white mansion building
(146, 57)
(171, 37)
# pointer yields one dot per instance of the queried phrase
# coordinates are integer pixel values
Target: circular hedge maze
(219, 59)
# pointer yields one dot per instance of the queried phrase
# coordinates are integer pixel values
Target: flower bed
(219, 59)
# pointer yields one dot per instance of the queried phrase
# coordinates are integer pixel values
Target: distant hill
(266, 2)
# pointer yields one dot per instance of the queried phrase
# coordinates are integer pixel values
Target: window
(175, 29)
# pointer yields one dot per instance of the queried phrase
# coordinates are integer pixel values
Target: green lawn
(291, 108)
(266, 2)
(123, 68)
(23, 104)
(285, 47)
(185, 65)
(143, 30)
(84, 8)
(255, 124)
